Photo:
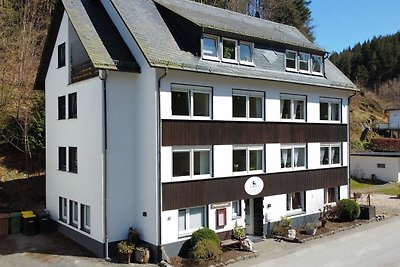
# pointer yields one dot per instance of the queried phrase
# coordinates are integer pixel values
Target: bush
(204, 234)
(239, 232)
(206, 249)
(348, 210)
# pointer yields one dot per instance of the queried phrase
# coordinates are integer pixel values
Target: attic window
(246, 53)
(304, 62)
(210, 47)
(229, 50)
(316, 63)
(291, 60)
(61, 55)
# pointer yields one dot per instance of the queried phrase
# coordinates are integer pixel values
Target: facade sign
(254, 185)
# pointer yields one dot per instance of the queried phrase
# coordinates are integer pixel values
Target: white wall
(84, 132)
(365, 166)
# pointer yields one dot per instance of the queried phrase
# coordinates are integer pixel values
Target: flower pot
(142, 255)
(311, 231)
(125, 257)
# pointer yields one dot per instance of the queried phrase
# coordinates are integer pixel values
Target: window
(236, 209)
(329, 109)
(295, 203)
(221, 217)
(381, 165)
(293, 107)
(191, 101)
(85, 218)
(73, 213)
(229, 50)
(62, 158)
(210, 47)
(291, 60)
(61, 55)
(191, 219)
(330, 154)
(293, 157)
(61, 107)
(316, 65)
(304, 62)
(248, 105)
(72, 106)
(63, 208)
(248, 159)
(331, 195)
(246, 53)
(195, 162)
(73, 159)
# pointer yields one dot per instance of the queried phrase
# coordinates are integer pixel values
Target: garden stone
(246, 244)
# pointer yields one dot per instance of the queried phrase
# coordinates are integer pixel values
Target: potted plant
(311, 228)
(142, 254)
(125, 251)
(239, 232)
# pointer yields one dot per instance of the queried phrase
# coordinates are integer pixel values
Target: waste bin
(30, 223)
(4, 224)
(15, 222)
(43, 218)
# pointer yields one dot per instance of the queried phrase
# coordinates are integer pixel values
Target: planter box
(367, 212)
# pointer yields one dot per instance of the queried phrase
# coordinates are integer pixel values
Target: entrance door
(249, 218)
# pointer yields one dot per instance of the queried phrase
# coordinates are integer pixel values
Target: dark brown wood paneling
(185, 132)
(201, 192)
(258, 216)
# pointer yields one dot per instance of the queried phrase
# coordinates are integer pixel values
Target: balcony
(83, 71)
(388, 126)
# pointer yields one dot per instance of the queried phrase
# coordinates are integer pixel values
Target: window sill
(296, 212)
(190, 178)
(329, 121)
(246, 63)
(75, 172)
(291, 70)
(187, 117)
(187, 233)
(74, 224)
(247, 119)
(85, 230)
(63, 220)
(293, 169)
(232, 61)
(211, 58)
(317, 74)
(62, 170)
(293, 120)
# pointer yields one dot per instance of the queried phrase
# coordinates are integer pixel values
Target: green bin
(15, 222)
(3, 224)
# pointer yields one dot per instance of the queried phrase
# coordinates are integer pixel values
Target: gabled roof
(160, 48)
(232, 22)
(100, 38)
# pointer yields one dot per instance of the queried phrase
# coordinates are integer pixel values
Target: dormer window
(316, 63)
(210, 47)
(304, 62)
(246, 53)
(291, 60)
(229, 50)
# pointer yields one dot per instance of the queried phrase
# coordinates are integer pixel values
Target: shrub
(348, 210)
(239, 232)
(124, 247)
(203, 234)
(281, 228)
(206, 249)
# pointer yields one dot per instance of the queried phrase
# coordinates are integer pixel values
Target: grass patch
(354, 185)
(392, 191)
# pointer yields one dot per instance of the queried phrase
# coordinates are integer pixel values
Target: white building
(384, 166)
(168, 116)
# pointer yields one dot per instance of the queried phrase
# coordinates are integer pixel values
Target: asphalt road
(374, 244)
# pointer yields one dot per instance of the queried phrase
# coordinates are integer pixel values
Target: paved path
(373, 244)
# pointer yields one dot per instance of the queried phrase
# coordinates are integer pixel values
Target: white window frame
(188, 231)
(320, 73)
(74, 207)
(236, 51)
(248, 149)
(308, 62)
(85, 209)
(191, 151)
(216, 38)
(193, 89)
(292, 148)
(63, 216)
(326, 195)
(331, 101)
(291, 211)
(292, 99)
(248, 94)
(236, 216)
(243, 62)
(330, 146)
(295, 69)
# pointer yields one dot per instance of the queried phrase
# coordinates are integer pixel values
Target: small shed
(384, 166)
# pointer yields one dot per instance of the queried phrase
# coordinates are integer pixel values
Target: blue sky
(343, 23)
